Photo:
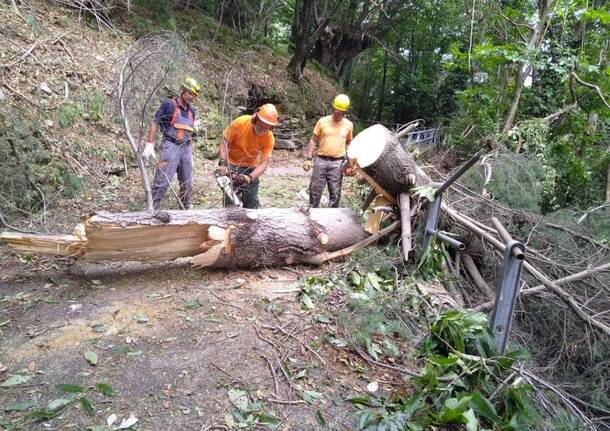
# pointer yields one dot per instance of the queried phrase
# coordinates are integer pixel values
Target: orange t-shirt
(334, 136)
(246, 148)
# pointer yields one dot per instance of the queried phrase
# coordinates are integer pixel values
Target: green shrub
(69, 113)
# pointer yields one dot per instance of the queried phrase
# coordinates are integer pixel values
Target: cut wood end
(252, 215)
(217, 233)
(323, 238)
(368, 145)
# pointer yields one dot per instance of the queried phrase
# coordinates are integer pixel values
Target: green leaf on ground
(100, 328)
(104, 389)
(322, 318)
(58, 403)
(239, 399)
(311, 396)
(307, 302)
(483, 407)
(320, 419)
(91, 357)
(335, 341)
(19, 407)
(70, 388)
(141, 318)
(87, 405)
(266, 418)
(16, 379)
(193, 304)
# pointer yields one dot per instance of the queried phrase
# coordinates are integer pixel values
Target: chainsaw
(225, 184)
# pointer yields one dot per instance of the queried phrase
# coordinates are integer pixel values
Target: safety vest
(181, 124)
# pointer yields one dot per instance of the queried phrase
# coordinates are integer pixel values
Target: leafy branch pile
(463, 381)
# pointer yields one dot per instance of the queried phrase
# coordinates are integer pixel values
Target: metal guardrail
(423, 139)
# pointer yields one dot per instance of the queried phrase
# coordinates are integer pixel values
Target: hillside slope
(59, 111)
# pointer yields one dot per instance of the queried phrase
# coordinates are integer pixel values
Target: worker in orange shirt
(245, 150)
(333, 134)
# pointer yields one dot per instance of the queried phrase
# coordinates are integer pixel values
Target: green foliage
(461, 373)
(69, 113)
(518, 180)
(248, 414)
(95, 106)
(30, 170)
(71, 394)
(314, 289)
(432, 263)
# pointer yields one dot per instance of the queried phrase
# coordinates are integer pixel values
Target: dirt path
(171, 341)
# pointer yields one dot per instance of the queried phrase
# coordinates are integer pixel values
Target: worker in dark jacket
(176, 120)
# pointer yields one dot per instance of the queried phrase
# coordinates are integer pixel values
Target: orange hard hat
(267, 114)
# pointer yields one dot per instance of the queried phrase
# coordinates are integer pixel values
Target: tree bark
(232, 237)
(525, 68)
(307, 26)
(381, 156)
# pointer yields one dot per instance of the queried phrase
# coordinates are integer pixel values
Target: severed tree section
(221, 238)
(379, 153)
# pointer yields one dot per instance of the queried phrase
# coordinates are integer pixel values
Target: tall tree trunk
(382, 89)
(303, 20)
(307, 26)
(525, 68)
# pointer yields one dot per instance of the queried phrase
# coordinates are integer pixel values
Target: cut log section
(382, 157)
(231, 237)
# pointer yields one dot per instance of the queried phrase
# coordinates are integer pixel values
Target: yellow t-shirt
(334, 136)
(245, 147)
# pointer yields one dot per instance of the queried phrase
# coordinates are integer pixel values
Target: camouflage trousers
(174, 159)
(326, 170)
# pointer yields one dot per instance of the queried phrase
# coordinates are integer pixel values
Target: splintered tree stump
(382, 157)
(221, 238)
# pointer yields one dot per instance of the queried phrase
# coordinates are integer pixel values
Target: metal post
(432, 216)
(506, 293)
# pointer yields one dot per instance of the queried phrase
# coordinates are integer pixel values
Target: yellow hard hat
(341, 102)
(191, 85)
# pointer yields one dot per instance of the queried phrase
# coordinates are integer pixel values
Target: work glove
(307, 165)
(149, 151)
(244, 180)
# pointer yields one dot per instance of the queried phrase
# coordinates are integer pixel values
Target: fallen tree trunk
(232, 237)
(382, 157)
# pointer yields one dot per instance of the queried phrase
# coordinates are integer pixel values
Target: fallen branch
(550, 285)
(476, 277)
(325, 256)
(405, 221)
(579, 235)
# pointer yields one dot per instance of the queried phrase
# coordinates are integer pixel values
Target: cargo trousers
(174, 158)
(326, 171)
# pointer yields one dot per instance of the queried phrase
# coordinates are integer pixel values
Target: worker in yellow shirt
(332, 134)
(245, 150)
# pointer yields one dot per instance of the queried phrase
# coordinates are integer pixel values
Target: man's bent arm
(260, 169)
(313, 142)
